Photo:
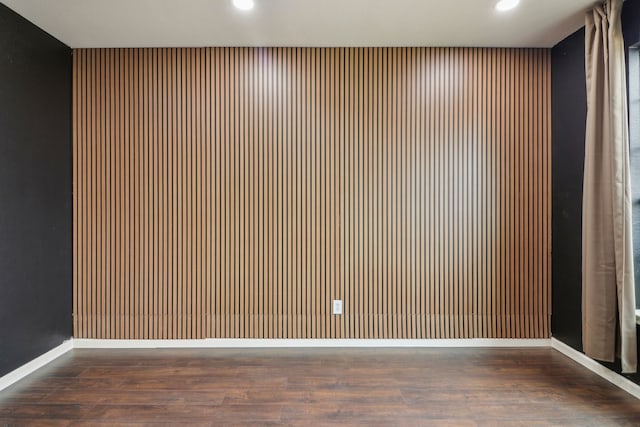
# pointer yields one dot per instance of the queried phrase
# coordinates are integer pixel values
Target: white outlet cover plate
(337, 306)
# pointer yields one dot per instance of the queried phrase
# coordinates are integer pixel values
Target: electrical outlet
(337, 306)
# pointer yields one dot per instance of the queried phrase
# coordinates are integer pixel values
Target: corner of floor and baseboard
(37, 363)
(606, 373)
(613, 377)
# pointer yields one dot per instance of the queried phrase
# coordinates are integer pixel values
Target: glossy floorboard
(521, 387)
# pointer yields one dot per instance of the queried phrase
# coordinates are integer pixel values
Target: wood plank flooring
(469, 387)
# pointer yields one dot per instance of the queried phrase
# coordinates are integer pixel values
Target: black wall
(569, 105)
(569, 109)
(631, 22)
(35, 191)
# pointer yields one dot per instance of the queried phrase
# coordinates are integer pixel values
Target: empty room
(305, 212)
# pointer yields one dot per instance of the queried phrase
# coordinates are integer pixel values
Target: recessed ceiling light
(243, 4)
(504, 5)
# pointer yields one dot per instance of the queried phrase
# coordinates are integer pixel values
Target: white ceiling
(188, 23)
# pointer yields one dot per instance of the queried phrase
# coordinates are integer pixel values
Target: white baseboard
(38, 362)
(606, 373)
(293, 343)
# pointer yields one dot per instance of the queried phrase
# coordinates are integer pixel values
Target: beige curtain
(608, 298)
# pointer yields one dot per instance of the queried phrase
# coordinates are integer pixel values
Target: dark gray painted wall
(35, 191)
(569, 109)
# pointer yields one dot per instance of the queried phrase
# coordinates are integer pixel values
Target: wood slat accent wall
(235, 192)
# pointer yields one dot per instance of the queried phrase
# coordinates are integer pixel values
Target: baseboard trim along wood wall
(309, 343)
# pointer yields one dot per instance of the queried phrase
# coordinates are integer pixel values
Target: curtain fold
(608, 297)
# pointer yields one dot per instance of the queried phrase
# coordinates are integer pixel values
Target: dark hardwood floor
(520, 387)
